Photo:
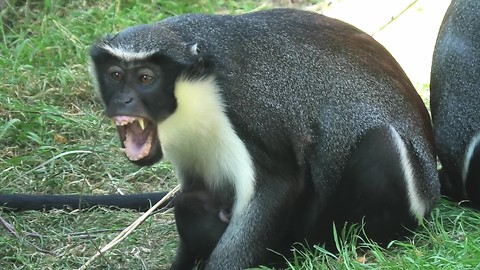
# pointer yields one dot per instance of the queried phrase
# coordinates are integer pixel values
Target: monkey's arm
(22, 202)
(251, 237)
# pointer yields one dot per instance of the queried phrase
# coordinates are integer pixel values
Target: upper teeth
(141, 123)
(122, 121)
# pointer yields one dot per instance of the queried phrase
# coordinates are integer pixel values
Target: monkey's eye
(116, 73)
(145, 79)
(117, 76)
(146, 76)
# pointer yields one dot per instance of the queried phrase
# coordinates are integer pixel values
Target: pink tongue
(136, 145)
(137, 141)
(132, 150)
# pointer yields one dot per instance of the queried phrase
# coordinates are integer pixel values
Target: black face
(138, 95)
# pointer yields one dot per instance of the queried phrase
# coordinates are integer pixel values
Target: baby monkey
(200, 222)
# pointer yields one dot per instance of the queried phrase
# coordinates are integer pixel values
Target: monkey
(454, 101)
(200, 224)
(293, 120)
(22, 202)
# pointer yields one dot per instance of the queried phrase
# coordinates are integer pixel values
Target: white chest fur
(199, 137)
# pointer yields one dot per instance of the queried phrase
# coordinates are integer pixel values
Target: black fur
(199, 226)
(308, 98)
(455, 100)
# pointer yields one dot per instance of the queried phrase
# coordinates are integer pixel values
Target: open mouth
(137, 135)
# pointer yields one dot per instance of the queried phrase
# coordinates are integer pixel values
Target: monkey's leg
(379, 187)
(250, 237)
(472, 179)
(451, 157)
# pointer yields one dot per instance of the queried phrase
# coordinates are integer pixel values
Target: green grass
(54, 139)
(449, 239)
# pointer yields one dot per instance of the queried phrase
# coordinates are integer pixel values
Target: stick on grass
(129, 229)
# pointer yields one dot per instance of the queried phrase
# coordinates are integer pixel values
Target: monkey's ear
(201, 63)
(199, 67)
(194, 49)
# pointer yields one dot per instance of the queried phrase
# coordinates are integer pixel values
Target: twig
(129, 229)
(395, 17)
(11, 230)
(8, 227)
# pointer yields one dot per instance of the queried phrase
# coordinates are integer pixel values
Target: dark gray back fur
(455, 83)
(293, 53)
